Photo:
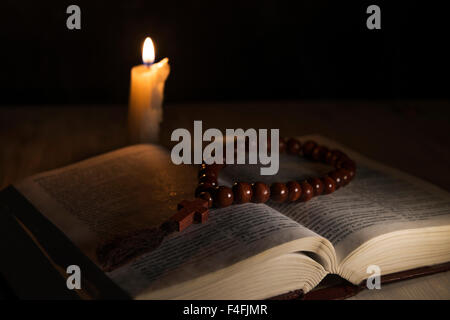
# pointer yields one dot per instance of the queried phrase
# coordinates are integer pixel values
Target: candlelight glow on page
(148, 51)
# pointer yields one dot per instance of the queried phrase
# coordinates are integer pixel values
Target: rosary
(209, 194)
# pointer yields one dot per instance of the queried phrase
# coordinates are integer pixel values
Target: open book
(250, 251)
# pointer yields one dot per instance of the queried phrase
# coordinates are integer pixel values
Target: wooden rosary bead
(223, 197)
(333, 159)
(339, 163)
(282, 145)
(336, 176)
(317, 186)
(308, 147)
(328, 156)
(351, 173)
(202, 172)
(329, 186)
(323, 153)
(208, 171)
(339, 153)
(261, 192)
(278, 192)
(319, 153)
(242, 192)
(293, 146)
(205, 187)
(307, 191)
(207, 197)
(345, 177)
(294, 191)
(208, 179)
(337, 156)
(208, 194)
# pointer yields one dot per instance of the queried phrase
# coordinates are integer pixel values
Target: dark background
(224, 50)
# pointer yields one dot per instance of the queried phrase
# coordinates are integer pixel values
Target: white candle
(146, 96)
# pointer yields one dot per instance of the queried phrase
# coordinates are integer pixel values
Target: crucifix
(190, 211)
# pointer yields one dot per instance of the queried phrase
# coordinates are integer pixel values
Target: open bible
(251, 251)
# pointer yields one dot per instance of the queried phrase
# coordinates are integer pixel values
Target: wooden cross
(190, 212)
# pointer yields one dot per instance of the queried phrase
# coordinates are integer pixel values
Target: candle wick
(148, 64)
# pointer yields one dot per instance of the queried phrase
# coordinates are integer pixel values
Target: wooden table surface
(411, 136)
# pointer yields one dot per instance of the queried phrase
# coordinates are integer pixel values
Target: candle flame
(148, 51)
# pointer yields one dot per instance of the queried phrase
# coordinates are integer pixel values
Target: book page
(96, 199)
(138, 187)
(379, 200)
(373, 204)
(232, 234)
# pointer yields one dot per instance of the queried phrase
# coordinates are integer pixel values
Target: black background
(224, 50)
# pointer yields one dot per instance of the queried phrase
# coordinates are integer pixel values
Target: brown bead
(278, 192)
(242, 192)
(261, 192)
(202, 172)
(293, 146)
(307, 191)
(315, 153)
(345, 176)
(206, 196)
(337, 177)
(208, 179)
(328, 156)
(294, 191)
(323, 153)
(282, 145)
(213, 166)
(339, 163)
(339, 153)
(308, 147)
(319, 153)
(329, 185)
(205, 187)
(317, 186)
(209, 171)
(223, 197)
(336, 157)
(343, 161)
(351, 173)
(332, 159)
